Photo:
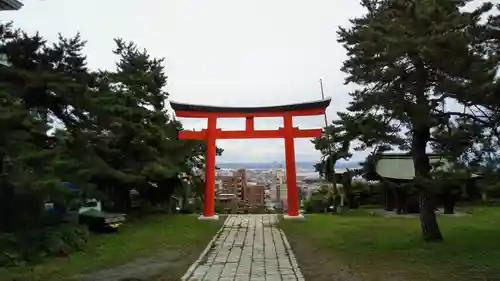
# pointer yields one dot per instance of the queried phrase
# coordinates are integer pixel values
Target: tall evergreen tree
(38, 85)
(132, 132)
(409, 56)
(62, 122)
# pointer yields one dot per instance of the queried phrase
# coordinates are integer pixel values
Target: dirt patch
(168, 265)
(316, 265)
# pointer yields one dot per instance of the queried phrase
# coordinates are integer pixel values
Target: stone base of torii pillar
(299, 217)
(210, 218)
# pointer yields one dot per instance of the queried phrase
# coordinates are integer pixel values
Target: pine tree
(62, 122)
(132, 132)
(36, 87)
(409, 56)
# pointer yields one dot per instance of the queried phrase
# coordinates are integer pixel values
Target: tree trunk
(428, 222)
(333, 179)
(389, 199)
(449, 208)
(412, 205)
(449, 199)
(8, 211)
(484, 196)
(347, 188)
(185, 195)
(471, 190)
(400, 200)
(121, 199)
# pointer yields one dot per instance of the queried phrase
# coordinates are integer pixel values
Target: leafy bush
(359, 186)
(315, 205)
(33, 245)
(194, 206)
(220, 208)
(258, 210)
(188, 209)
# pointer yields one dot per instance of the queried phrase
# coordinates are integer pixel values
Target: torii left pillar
(292, 191)
(209, 200)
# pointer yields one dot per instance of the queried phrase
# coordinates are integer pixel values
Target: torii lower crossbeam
(281, 133)
(288, 133)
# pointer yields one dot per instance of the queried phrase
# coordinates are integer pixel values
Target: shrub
(33, 245)
(258, 209)
(195, 206)
(220, 208)
(188, 209)
(359, 186)
(315, 205)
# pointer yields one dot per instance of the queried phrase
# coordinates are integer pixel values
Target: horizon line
(278, 161)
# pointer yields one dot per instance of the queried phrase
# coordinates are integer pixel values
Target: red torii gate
(288, 132)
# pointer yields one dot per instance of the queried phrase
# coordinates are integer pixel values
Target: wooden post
(291, 177)
(249, 124)
(209, 201)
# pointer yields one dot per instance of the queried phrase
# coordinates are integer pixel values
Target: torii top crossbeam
(286, 111)
(204, 111)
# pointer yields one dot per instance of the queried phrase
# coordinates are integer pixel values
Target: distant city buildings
(256, 188)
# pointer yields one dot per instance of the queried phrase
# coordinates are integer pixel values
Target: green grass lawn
(379, 248)
(136, 238)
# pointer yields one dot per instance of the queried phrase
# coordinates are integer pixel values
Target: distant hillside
(272, 165)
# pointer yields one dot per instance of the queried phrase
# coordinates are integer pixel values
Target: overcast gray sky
(219, 52)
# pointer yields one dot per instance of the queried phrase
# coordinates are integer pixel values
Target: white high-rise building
(218, 186)
(224, 173)
(278, 188)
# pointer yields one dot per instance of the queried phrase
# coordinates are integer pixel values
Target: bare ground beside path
(169, 265)
(154, 247)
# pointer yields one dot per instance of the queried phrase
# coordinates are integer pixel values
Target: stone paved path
(248, 247)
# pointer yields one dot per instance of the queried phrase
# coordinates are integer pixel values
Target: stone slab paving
(248, 247)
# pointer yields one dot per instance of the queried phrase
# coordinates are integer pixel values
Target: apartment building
(230, 188)
(254, 194)
(232, 182)
(226, 185)
(240, 178)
